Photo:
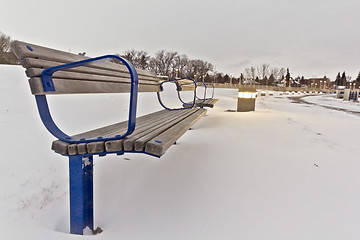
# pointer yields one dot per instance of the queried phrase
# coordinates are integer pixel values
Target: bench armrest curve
(45, 114)
(178, 88)
(206, 85)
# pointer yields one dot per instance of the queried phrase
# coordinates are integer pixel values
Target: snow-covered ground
(285, 171)
(331, 101)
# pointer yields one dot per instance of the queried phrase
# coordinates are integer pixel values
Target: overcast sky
(312, 38)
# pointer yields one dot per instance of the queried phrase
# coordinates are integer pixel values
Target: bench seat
(154, 134)
(200, 103)
(52, 71)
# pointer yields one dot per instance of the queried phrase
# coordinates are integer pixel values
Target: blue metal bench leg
(81, 193)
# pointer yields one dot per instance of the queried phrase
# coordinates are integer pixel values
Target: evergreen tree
(271, 79)
(242, 78)
(302, 80)
(358, 78)
(207, 78)
(343, 79)
(338, 79)
(265, 80)
(226, 79)
(287, 77)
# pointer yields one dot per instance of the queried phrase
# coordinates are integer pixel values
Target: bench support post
(81, 193)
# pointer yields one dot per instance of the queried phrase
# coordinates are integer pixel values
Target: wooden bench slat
(139, 144)
(32, 63)
(67, 86)
(21, 50)
(158, 145)
(132, 142)
(148, 127)
(36, 72)
(118, 145)
(111, 130)
(145, 123)
(199, 103)
(186, 84)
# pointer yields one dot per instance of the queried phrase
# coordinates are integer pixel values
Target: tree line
(169, 63)
(175, 65)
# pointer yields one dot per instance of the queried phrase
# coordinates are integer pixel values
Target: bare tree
(250, 73)
(263, 70)
(169, 63)
(163, 63)
(180, 65)
(277, 73)
(140, 59)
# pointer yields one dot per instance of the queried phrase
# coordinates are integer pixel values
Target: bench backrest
(100, 77)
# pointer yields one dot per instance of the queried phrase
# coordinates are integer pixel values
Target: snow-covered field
(331, 101)
(285, 171)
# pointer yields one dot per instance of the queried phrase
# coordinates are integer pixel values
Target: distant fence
(271, 88)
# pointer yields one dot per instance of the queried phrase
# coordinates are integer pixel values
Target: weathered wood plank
(111, 130)
(154, 128)
(199, 103)
(42, 64)
(23, 50)
(185, 85)
(73, 149)
(67, 86)
(139, 144)
(60, 147)
(92, 75)
(96, 147)
(81, 148)
(158, 145)
(149, 127)
(214, 101)
(114, 145)
(142, 122)
(36, 72)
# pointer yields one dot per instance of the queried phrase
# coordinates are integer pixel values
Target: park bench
(200, 103)
(203, 100)
(52, 71)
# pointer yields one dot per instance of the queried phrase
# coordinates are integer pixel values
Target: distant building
(353, 84)
(316, 82)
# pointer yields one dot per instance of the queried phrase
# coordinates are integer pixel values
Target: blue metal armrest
(213, 89)
(205, 91)
(48, 84)
(179, 88)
